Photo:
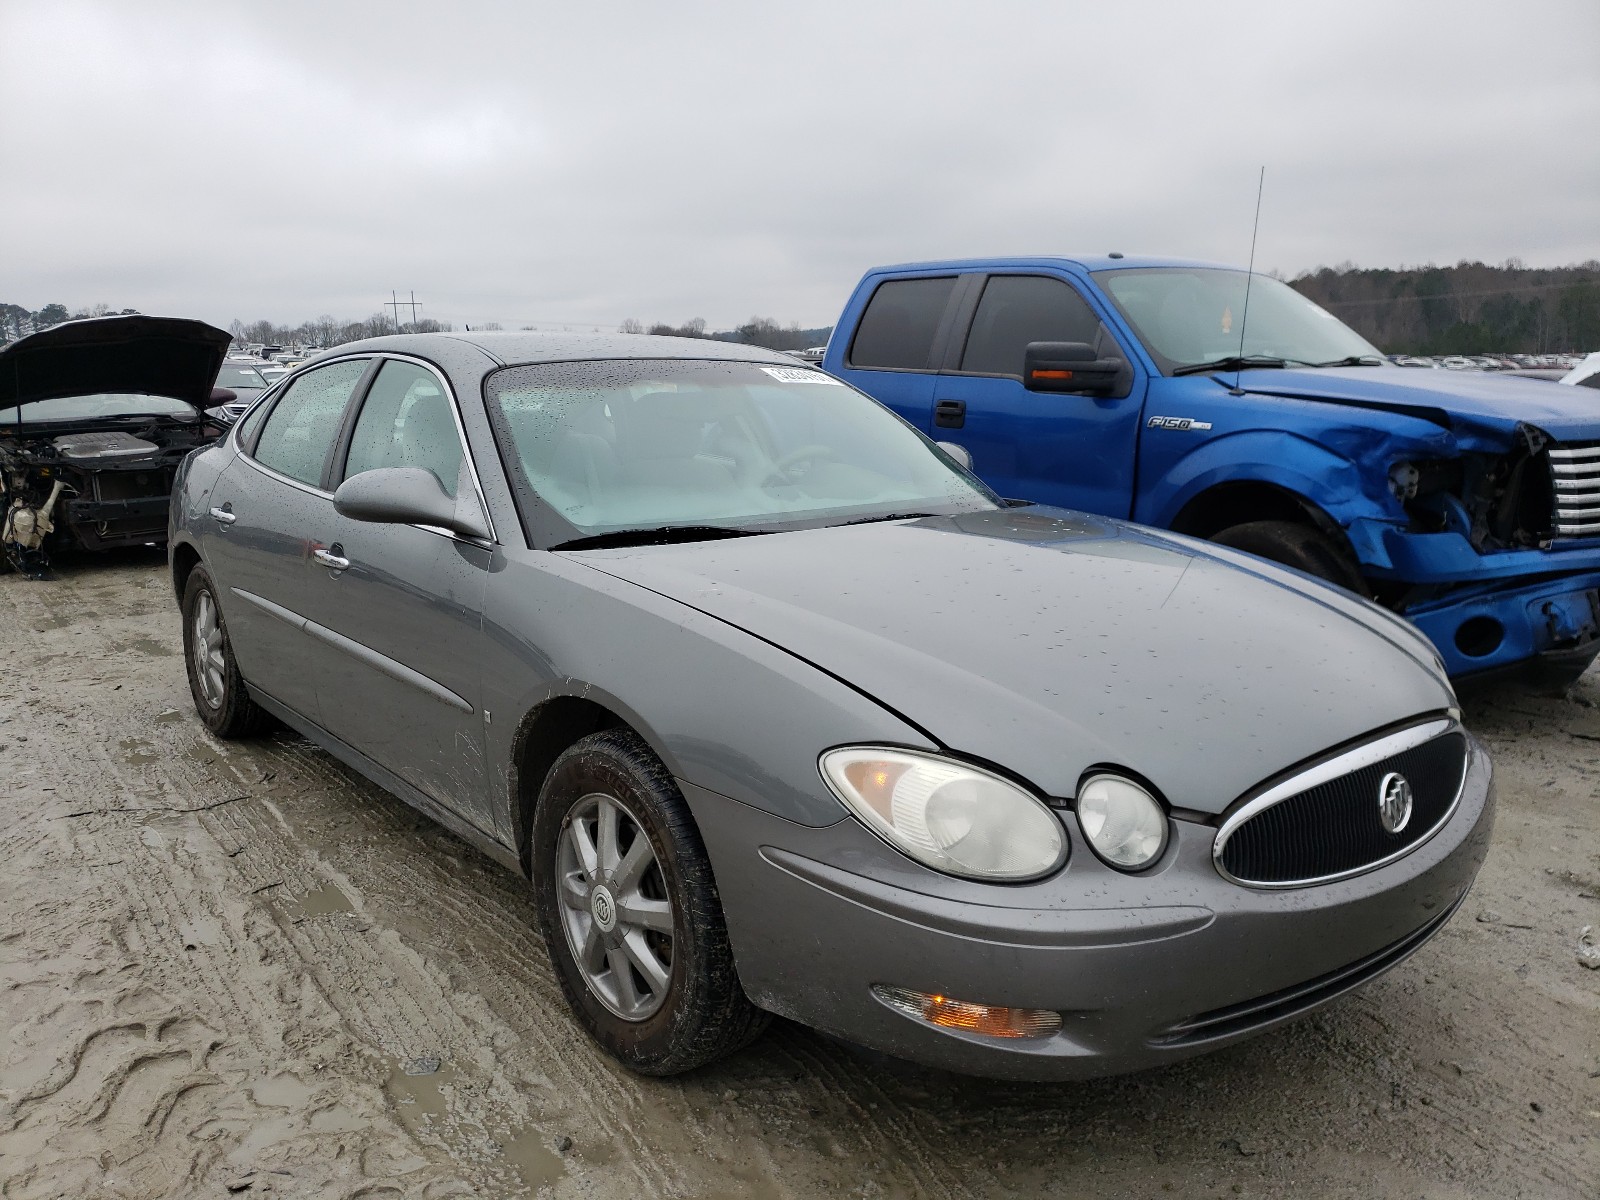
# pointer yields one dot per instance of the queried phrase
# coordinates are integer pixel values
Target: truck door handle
(224, 515)
(329, 559)
(950, 414)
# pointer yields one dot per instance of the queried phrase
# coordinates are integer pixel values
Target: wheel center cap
(604, 909)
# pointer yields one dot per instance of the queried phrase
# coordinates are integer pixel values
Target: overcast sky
(589, 162)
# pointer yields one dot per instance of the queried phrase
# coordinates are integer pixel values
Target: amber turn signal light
(986, 1019)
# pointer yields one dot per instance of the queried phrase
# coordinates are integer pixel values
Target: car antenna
(1250, 271)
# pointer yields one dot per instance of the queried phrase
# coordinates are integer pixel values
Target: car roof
(1087, 262)
(517, 348)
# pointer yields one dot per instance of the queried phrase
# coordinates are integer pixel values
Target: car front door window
(300, 431)
(407, 421)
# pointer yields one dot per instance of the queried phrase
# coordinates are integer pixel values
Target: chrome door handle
(223, 515)
(328, 559)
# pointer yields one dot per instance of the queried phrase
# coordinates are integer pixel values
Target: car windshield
(655, 444)
(99, 406)
(1187, 316)
(240, 377)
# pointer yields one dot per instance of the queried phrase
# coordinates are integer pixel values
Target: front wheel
(630, 911)
(214, 681)
(1298, 546)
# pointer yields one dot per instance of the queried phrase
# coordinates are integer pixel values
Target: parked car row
(1489, 362)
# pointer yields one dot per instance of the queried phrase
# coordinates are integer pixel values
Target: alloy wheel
(615, 908)
(206, 650)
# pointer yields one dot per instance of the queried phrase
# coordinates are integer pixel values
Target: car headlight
(1124, 824)
(947, 815)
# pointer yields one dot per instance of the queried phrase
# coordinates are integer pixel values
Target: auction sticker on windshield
(800, 375)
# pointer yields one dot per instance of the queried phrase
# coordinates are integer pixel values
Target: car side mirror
(1070, 367)
(408, 496)
(223, 396)
(960, 453)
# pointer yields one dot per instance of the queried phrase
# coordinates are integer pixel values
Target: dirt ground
(241, 969)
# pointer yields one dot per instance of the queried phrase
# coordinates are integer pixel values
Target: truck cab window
(900, 323)
(1018, 309)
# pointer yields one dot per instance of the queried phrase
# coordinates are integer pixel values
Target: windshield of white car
(602, 447)
(1190, 317)
(98, 407)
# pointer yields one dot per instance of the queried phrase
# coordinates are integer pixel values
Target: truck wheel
(214, 681)
(630, 912)
(1298, 546)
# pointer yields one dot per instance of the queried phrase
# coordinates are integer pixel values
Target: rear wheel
(1299, 546)
(630, 911)
(214, 681)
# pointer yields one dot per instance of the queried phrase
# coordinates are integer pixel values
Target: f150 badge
(1178, 423)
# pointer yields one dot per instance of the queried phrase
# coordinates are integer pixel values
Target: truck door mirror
(1070, 367)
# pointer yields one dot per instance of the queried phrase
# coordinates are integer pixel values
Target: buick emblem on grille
(1394, 801)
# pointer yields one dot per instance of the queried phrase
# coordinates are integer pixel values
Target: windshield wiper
(905, 516)
(662, 535)
(1349, 360)
(1234, 362)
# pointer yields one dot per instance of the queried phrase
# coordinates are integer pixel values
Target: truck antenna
(1250, 271)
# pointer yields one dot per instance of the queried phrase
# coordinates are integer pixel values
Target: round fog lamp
(1125, 824)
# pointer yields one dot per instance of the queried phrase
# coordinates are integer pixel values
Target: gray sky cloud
(587, 163)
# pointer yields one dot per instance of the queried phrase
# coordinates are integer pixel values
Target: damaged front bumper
(1531, 613)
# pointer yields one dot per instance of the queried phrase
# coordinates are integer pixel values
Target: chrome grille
(1575, 475)
(1324, 822)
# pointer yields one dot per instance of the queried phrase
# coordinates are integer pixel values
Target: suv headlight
(947, 815)
(1124, 824)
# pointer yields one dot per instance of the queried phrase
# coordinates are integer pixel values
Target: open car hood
(154, 356)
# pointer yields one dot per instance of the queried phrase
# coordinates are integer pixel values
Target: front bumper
(1145, 969)
(105, 524)
(1546, 631)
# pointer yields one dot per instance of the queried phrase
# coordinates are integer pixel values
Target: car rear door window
(301, 429)
(406, 421)
(900, 324)
(1018, 309)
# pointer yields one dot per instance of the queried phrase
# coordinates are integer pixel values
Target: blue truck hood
(1466, 401)
(1049, 642)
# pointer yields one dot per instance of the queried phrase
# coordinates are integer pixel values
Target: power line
(397, 304)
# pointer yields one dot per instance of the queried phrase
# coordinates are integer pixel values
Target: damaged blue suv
(1227, 406)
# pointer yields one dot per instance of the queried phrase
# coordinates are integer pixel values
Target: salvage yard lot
(241, 966)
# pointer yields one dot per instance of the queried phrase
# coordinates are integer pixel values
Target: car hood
(154, 356)
(1048, 642)
(1468, 401)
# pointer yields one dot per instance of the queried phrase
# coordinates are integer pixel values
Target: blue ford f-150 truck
(1159, 390)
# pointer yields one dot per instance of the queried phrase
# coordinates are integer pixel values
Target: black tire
(704, 1013)
(1299, 546)
(233, 714)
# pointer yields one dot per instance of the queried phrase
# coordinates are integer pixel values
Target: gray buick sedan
(781, 710)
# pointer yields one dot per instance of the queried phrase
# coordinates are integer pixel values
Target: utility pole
(397, 304)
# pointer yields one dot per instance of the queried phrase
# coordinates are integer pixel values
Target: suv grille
(1326, 823)
(1575, 475)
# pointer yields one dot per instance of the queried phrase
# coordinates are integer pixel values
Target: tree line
(18, 321)
(1470, 308)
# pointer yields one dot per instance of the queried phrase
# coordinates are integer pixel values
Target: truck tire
(1299, 546)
